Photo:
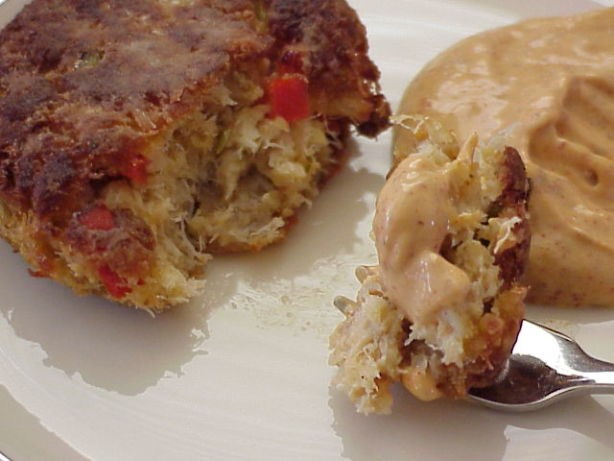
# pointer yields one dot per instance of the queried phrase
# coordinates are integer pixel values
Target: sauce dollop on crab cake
(442, 310)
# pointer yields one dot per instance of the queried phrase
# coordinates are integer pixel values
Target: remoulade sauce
(547, 87)
(409, 229)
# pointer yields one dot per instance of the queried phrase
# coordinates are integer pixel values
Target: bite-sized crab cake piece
(442, 310)
(139, 136)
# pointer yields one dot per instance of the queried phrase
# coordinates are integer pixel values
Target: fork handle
(600, 377)
(601, 382)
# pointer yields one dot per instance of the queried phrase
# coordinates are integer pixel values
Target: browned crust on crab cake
(324, 28)
(97, 97)
(513, 202)
(374, 346)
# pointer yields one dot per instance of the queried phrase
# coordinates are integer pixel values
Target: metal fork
(545, 367)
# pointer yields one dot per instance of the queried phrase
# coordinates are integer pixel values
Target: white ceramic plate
(241, 374)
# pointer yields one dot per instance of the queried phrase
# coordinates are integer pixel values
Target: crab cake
(442, 310)
(137, 137)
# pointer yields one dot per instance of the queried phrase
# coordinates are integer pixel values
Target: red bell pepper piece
(115, 285)
(98, 218)
(134, 167)
(288, 97)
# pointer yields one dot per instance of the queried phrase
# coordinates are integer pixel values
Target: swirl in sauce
(548, 86)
